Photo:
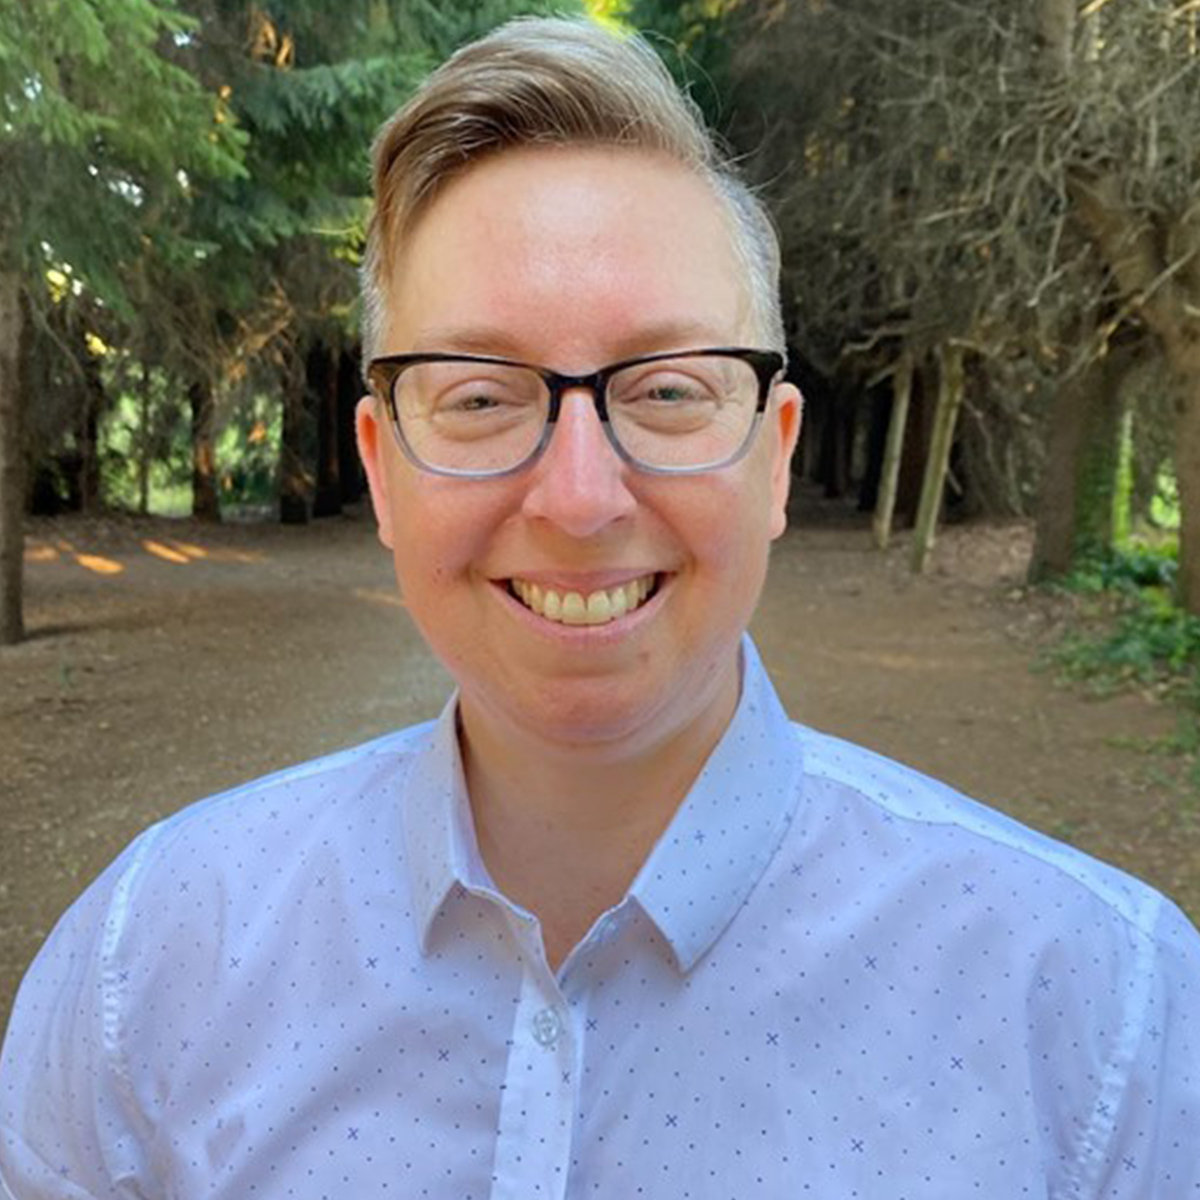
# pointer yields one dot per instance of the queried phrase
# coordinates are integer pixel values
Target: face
(573, 258)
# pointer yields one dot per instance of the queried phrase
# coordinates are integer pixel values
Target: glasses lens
(470, 416)
(683, 413)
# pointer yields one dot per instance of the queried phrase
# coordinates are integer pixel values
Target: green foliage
(277, 248)
(145, 421)
(1122, 497)
(1135, 632)
(157, 427)
(195, 175)
(95, 117)
(1127, 570)
(248, 451)
(1152, 641)
(697, 39)
(1164, 504)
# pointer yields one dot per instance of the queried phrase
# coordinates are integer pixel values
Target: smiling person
(612, 925)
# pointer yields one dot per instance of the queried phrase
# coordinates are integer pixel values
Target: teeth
(572, 608)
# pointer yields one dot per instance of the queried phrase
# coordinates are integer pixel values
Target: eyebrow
(491, 340)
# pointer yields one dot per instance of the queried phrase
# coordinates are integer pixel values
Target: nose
(579, 484)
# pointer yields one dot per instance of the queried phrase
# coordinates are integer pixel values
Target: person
(612, 925)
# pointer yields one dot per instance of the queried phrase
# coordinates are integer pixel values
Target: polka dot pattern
(832, 977)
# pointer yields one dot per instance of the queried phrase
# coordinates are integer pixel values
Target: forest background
(990, 213)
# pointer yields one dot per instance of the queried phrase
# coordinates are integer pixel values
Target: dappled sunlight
(225, 554)
(99, 564)
(180, 553)
(41, 551)
(166, 553)
(379, 596)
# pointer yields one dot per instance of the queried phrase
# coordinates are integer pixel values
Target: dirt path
(169, 660)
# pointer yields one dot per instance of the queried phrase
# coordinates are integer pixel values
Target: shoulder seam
(1137, 908)
(110, 978)
(298, 772)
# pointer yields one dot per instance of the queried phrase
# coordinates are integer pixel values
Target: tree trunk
(320, 369)
(950, 394)
(885, 505)
(837, 444)
(1077, 514)
(1155, 261)
(12, 462)
(145, 442)
(206, 502)
(349, 389)
(92, 394)
(808, 453)
(1185, 364)
(1166, 293)
(295, 478)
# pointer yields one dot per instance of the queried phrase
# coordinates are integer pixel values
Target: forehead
(577, 251)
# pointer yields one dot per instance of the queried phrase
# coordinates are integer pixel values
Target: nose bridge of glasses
(578, 429)
(562, 386)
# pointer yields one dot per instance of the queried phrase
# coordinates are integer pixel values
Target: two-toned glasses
(477, 417)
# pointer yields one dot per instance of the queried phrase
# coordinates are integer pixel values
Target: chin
(589, 715)
(573, 714)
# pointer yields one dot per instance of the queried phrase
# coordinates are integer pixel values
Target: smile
(573, 608)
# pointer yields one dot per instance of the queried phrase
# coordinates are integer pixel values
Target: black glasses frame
(383, 372)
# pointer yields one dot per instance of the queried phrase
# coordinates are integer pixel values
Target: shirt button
(546, 1027)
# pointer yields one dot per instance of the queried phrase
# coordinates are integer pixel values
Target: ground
(168, 660)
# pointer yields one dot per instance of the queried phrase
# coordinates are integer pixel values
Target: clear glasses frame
(383, 372)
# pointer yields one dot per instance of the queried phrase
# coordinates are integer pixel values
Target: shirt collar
(442, 850)
(703, 867)
(730, 824)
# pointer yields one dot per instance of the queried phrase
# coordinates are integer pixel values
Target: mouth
(595, 608)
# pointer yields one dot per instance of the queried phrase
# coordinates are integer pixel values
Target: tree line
(991, 220)
(990, 214)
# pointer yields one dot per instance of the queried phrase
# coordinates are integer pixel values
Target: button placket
(537, 1109)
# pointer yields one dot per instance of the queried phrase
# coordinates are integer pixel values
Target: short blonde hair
(550, 82)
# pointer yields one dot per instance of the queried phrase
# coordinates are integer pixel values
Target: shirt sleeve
(1155, 1148)
(68, 1127)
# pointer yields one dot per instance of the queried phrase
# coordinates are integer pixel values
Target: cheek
(729, 522)
(443, 531)
(428, 558)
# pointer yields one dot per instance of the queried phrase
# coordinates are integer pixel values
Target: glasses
(478, 417)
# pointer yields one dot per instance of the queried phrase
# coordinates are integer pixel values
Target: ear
(785, 411)
(372, 435)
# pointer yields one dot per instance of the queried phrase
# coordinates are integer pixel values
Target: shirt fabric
(832, 977)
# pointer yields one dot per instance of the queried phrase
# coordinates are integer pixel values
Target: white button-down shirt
(832, 977)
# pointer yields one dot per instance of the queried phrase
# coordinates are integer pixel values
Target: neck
(565, 829)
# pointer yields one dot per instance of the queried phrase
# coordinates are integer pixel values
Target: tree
(1077, 510)
(1128, 78)
(94, 113)
(309, 83)
(1016, 178)
(886, 266)
(223, 164)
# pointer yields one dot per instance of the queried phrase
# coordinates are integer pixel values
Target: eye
(476, 401)
(468, 396)
(665, 388)
(672, 390)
